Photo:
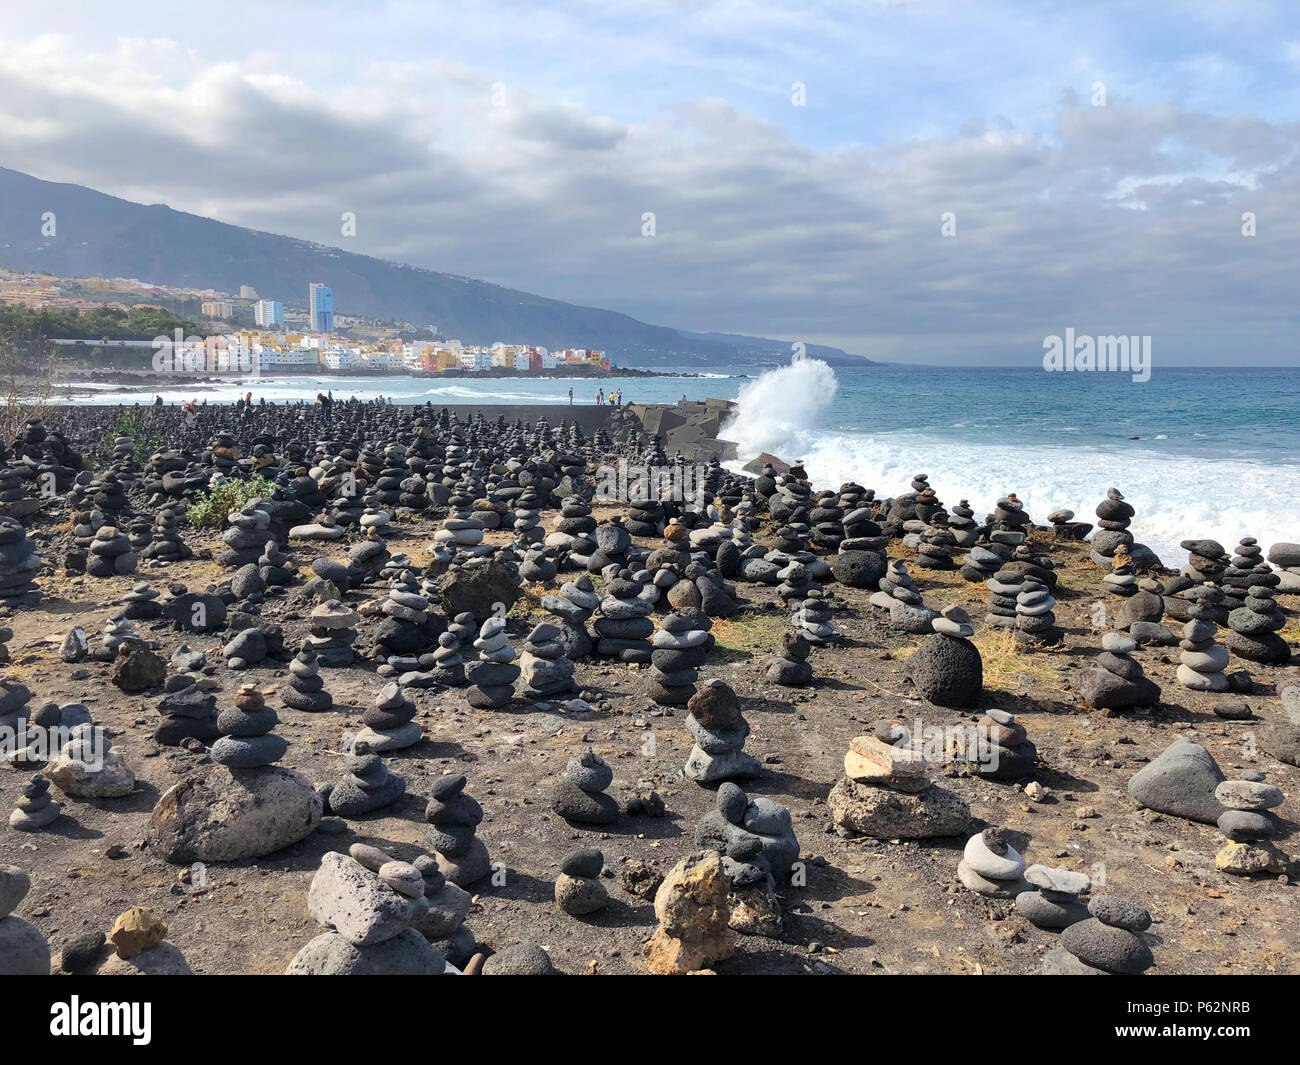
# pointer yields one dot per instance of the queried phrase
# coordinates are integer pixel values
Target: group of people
(612, 399)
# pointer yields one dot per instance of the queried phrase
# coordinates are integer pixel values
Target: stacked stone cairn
(1114, 516)
(36, 809)
(898, 595)
(446, 664)
(110, 554)
(962, 525)
(1248, 824)
(790, 667)
(756, 840)
(19, 563)
(462, 857)
(980, 564)
(23, 950)
(1053, 904)
(580, 794)
(332, 630)
(1202, 662)
(389, 724)
(812, 619)
(624, 627)
(1117, 680)
(545, 670)
(886, 793)
(1064, 527)
(1255, 624)
(188, 711)
(715, 721)
(1245, 573)
(493, 676)
(1121, 580)
(406, 631)
(937, 545)
(369, 916)
(1107, 942)
(247, 740)
(680, 631)
(443, 920)
(141, 604)
(1286, 557)
(573, 607)
(165, 544)
(1035, 619)
(578, 890)
(306, 687)
(365, 786)
(1004, 587)
(87, 767)
(991, 866)
(946, 668)
(1000, 749)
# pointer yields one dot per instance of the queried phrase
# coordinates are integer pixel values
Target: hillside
(104, 236)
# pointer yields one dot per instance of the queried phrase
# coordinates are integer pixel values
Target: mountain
(98, 235)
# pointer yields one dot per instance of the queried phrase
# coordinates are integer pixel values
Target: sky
(930, 182)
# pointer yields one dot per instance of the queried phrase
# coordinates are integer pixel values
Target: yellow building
(446, 360)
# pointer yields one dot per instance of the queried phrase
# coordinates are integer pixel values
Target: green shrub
(213, 507)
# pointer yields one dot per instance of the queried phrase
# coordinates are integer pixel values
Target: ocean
(1198, 452)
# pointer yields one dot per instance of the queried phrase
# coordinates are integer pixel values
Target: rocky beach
(418, 689)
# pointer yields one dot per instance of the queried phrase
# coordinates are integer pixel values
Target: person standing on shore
(620, 397)
(570, 397)
(600, 396)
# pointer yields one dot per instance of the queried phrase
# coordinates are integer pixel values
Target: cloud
(819, 223)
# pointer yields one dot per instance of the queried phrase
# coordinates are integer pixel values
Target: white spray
(781, 410)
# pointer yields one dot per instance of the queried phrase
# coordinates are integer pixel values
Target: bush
(135, 423)
(213, 507)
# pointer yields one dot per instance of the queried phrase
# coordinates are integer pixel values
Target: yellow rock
(136, 930)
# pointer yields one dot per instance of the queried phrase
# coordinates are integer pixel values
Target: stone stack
(19, 563)
(899, 595)
(999, 750)
(574, 606)
(443, 920)
(1035, 620)
(493, 676)
(88, 767)
(539, 565)
(247, 741)
(366, 786)
(580, 795)
(991, 866)
(790, 667)
(462, 857)
(1064, 527)
(368, 914)
(462, 529)
(886, 793)
(1286, 557)
(719, 729)
(1114, 516)
(1202, 661)
(578, 890)
(141, 604)
(1246, 573)
(36, 810)
(275, 567)
(332, 629)
(1255, 625)
(756, 840)
(406, 631)
(446, 664)
(389, 724)
(812, 619)
(1117, 680)
(1054, 903)
(962, 525)
(245, 538)
(624, 627)
(946, 668)
(1248, 825)
(546, 672)
(306, 688)
(677, 632)
(110, 554)
(980, 564)
(1121, 580)
(165, 542)
(612, 544)
(1107, 942)
(1010, 524)
(188, 712)
(938, 544)
(527, 518)
(1004, 588)
(23, 950)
